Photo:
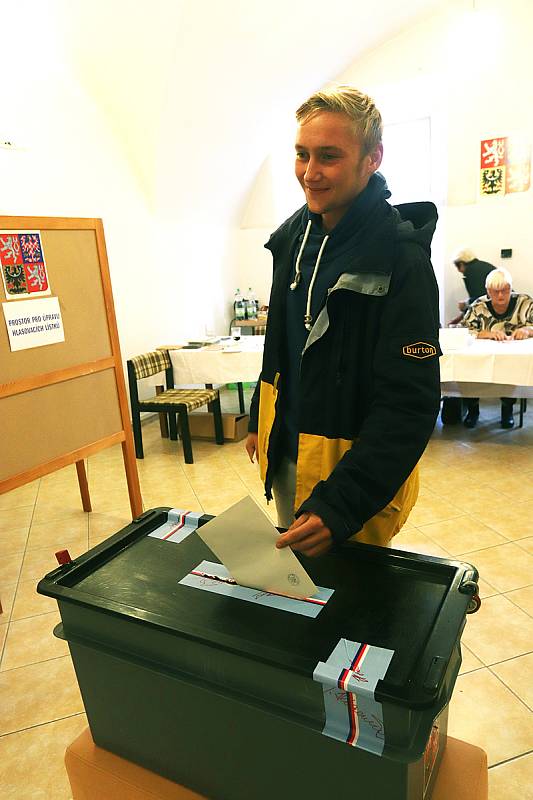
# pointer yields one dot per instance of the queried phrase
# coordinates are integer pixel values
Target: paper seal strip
(349, 679)
(178, 526)
(213, 577)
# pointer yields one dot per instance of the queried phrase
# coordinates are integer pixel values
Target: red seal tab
(63, 557)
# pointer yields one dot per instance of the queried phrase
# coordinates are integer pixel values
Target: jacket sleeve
(253, 424)
(404, 404)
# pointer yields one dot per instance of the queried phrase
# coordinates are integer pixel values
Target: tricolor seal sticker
(419, 350)
(349, 679)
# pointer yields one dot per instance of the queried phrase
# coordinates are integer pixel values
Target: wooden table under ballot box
(237, 693)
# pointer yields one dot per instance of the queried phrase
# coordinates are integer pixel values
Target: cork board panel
(46, 423)
(75, 279)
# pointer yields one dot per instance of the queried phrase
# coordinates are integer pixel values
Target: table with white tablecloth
(487, 368)
(224, 362)
(469, 367)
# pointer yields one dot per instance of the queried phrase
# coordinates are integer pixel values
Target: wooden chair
(174, 402)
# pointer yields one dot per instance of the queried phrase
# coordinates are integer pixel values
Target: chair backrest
(150, 363)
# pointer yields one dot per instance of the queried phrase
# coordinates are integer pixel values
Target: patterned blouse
(480, 315)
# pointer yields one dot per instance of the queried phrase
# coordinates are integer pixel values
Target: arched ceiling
(195, 91)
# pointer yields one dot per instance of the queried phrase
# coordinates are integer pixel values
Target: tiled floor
(476, 503)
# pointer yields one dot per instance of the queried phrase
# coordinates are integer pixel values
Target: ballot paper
(244, 540)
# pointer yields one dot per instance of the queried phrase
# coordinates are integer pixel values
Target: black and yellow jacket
(369, 388)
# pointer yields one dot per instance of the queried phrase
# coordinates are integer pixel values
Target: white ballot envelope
(244, 539)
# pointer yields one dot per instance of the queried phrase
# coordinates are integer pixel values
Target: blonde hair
(343, 99)
(499, 278)
(464, 256)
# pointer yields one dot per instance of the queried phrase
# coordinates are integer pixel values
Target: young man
(349, 389)
(502, 315)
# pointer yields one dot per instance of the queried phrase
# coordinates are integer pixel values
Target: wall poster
(23, 265)
(505, 165)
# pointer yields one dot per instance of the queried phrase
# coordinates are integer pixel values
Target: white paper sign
(33, 323)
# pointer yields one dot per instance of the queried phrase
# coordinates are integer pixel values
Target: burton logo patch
(419, 350)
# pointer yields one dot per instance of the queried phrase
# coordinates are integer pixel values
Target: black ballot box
(240, 700)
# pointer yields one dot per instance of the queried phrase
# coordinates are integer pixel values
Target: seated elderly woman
(501, 315)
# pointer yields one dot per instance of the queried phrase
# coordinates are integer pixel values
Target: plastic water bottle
(239, 311)
(251, 305)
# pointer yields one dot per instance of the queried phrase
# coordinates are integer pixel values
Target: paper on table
(244, 540)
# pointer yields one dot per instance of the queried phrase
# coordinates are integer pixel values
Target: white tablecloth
(486, 368)
(482, 368)
(227, 362)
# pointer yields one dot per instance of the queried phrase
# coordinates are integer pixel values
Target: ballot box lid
(126, 594)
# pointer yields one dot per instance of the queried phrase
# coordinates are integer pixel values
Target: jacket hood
(416, 223)
(370, 218)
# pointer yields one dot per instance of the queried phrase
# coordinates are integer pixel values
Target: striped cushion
(150, 363)
(192, 398)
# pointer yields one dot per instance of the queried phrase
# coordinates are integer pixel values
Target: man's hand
(307, 535)
(520, 333)
(251, 446)
(498, 336)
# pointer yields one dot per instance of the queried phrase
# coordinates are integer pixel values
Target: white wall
(469, 72)
(68, 164)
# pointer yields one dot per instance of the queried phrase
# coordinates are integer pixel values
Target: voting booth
(238, 693)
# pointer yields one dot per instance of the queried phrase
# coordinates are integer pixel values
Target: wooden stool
(96, 774)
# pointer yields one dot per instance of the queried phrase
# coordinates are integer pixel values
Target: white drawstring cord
(308, 319)
(298, 274)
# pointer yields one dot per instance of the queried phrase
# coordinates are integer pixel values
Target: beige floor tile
(186, 501)
(44, 514)
(485, 589)
(32, 640)
(512, 520)
(7, 593)
(67, 476)
(462, 535)
(469, 498)
(413, 541)
(106, 524)
(517, 675)
(51, 532)
(513, 780)
(523, 598)
(505, 566)
(38, 693)
(428, 510)
(21, 497)
(498, 631)
(470, 662)
(214, 502)
(10, 568)
(15, 519)
(31, 761)
(13, 541)
(517, 490)
(485, 713)
(28, 603)
(526, 544)
(41, 560)
(3, 634)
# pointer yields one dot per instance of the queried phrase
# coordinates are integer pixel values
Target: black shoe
(507, 419)
(471, 419)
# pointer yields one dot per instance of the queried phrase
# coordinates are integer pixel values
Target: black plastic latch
(145, 515)
(434, 673)
(468, 583)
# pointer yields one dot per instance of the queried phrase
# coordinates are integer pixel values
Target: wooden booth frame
(61, 403)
